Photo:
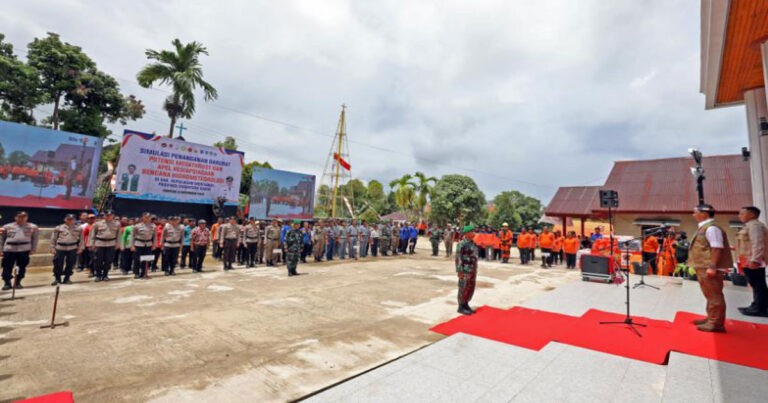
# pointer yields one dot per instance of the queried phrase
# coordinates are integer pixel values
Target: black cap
(69, 217)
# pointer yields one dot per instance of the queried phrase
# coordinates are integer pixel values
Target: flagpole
(338, 162)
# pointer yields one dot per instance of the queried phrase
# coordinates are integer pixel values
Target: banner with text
(281, 194)
(159, 168)
(47, 168)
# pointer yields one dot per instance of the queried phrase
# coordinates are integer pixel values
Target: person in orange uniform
(522, 246)
(570, 247)
(667, 261)
(650, 251)
(546, 244)
(531, 245)
(557, 249)
(214, 235)
(505, 242)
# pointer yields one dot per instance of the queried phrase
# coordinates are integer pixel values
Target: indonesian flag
(341, 161)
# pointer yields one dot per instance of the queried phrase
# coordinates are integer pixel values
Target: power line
(379, 148)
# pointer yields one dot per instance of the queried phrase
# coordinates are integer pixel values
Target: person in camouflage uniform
(435, 236)
(466, 269)
(293, 246)
(385, 237)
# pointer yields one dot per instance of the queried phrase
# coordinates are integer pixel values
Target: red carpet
(534, 329)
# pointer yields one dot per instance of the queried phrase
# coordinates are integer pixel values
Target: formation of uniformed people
(97, 244)
(100, 243)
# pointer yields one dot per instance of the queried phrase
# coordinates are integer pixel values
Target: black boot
(18, 285)
(67, 280)
(467, 307)
(7, 286)
(463, 310)
(56, 281)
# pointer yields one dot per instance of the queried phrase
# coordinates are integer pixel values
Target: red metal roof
(662, 186)
(667, 185)
(573, 201)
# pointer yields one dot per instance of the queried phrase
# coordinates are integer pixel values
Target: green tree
(19, 87)
(405, 193)
(229, 143)
(182, 70)
(457, 198)
(322, 201)
(377, 198)
(97, 99)
(357, 194)
(247, 176)
(423, 189)
(18, 158)
(516, 209)
(60, 66)
(369, 216)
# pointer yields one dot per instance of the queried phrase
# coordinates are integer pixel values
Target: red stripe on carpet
(534, 329)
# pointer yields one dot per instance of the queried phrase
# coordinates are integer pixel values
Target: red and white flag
(341, 161)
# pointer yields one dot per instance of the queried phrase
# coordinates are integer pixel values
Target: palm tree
(423, 191)
(181, 69)
(404, 192)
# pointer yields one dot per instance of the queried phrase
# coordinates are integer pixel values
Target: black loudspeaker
(594, 264)
(596, 267)
(609, 198)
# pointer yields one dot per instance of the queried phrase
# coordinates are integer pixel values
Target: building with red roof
(661, 192)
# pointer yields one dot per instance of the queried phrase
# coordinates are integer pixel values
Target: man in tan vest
(752, 248)
(710, 256)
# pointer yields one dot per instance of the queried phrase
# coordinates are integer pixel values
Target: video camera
(660, 230)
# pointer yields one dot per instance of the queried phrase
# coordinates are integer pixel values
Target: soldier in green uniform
(293, 247)
(385, 236)
(466, 269)
(435, 236)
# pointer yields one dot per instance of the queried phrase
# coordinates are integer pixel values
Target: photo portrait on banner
(158, 168)
(281, 194)
(47, 168)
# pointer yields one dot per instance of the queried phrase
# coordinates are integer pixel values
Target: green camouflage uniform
(293, 249)
(466, 269)
(385, 237)
(436, 234)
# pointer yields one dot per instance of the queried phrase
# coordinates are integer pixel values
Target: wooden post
(582, 225)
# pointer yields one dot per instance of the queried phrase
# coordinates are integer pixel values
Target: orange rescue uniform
(571, 245)
(546, 240)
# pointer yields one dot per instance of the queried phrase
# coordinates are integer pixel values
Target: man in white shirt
(710, 256)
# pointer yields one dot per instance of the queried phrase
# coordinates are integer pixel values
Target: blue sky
(526, 95)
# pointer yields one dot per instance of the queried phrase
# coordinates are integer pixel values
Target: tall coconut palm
(404, 192)
(423, 191)
(181, 69)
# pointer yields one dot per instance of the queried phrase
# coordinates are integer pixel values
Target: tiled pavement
(464, 368)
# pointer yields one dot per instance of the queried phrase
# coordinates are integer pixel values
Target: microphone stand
(628, 319)
(642, 282)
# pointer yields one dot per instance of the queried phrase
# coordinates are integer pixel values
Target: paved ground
(247, 335)
(464, 368)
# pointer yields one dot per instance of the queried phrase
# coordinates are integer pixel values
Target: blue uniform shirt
(284, 231)
(404, 233)
(413, 233)
(306, 237)
(187, 233)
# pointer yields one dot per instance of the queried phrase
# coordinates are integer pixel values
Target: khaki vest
(700, 252)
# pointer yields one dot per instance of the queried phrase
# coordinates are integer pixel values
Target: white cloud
(546, 93)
